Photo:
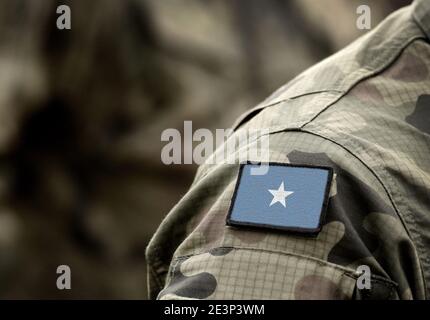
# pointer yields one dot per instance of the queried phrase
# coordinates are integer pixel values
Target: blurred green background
(82, 111)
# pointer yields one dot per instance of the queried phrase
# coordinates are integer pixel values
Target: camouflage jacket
(364, 112)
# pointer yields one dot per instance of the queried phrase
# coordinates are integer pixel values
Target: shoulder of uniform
(328, 81)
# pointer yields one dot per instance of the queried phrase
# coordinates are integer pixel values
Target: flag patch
(288, 197)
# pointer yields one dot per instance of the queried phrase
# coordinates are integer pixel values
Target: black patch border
(311, 232)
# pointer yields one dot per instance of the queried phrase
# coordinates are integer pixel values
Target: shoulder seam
(372, 73)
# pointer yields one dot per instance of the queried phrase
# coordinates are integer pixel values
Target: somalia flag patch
(287, 197)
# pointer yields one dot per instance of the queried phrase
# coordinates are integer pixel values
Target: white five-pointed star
(280, 195)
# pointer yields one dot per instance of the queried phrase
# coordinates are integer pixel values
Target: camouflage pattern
(365, 112)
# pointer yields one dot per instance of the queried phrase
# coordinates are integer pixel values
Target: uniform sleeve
(195, 255)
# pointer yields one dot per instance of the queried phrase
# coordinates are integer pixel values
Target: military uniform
(365, 113)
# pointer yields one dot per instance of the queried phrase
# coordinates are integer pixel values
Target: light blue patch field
(289, 197)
